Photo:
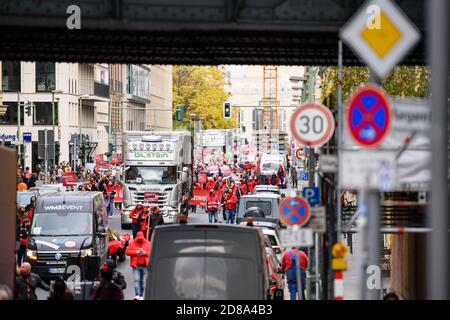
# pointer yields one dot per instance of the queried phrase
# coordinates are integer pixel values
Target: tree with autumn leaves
(404, 81)
(201, 90)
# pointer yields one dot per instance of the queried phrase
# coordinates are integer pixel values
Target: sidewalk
(351, 276)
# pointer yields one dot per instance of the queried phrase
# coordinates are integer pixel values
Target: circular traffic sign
(294, 211)
(299, 153)
(312, 124)
(368, 116)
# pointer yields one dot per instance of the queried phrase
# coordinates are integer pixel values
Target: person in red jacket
(139, 252)
(289, 265)
(251, 184)
(211, 184)
(108, 193)
(243, 187)
(137, 216)
(212, 206)
(274, 180)
(230, 201)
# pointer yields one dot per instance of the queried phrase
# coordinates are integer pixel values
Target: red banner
(199, 197)
(151, 197)
(103, 165)
(69, 179)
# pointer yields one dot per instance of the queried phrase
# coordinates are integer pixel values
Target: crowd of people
(228, 183)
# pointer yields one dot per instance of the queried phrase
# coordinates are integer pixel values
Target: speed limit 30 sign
(312, 124)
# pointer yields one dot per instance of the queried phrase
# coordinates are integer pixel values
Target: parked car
(212, 262)
(263, 223)
(274, 241)
(276, 275)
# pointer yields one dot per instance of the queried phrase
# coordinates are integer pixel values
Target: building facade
(247, 90)
(75, 98)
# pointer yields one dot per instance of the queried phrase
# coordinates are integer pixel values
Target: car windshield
(151, 175)
(62, 224)
(23, 198)
(273, 166)
(265, 206)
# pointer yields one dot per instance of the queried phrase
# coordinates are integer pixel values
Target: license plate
(151, 197)
(56, 270)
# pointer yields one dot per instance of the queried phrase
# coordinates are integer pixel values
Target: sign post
(295, 212)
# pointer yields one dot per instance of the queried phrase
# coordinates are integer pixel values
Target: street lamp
(80, 106)
(53, 121)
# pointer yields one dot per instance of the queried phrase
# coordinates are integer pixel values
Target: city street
(326, 122)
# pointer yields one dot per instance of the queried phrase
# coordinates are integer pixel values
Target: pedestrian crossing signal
(226, 110)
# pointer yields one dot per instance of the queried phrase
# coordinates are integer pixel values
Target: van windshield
(61, 224)
(211, 264)
(270, 166)
(265, 206)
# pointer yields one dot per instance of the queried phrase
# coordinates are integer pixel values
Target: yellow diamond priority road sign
(381, 35)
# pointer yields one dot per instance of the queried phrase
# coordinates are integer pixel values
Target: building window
(43, 113)
(45, 77)
(10, 76)
(10, 116)
(138, 81)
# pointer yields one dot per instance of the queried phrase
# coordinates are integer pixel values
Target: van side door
(101, 221)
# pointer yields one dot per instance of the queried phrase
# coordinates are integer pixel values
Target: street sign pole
(299, 277)
(438, 246)
(339, 141)
(46, 156)
(373, 230)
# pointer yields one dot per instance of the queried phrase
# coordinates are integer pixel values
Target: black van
(68, 228)
(207, 262)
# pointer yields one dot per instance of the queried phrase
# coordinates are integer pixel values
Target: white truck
(158, 172)
(269, 162)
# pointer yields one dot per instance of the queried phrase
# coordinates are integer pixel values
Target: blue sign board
(304, 176)
(312, 194)
(27, 137)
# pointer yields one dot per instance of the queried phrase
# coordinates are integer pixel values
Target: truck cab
(157, 172)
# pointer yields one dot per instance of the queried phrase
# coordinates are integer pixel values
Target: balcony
(10, 84)
(101, 90)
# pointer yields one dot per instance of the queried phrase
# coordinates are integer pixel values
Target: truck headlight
(86, 253)
(31, 254)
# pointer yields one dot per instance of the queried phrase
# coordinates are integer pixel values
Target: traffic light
(227, 110)
(28, 109)
(179, 113)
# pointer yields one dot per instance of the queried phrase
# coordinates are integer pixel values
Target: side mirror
(101, 232)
